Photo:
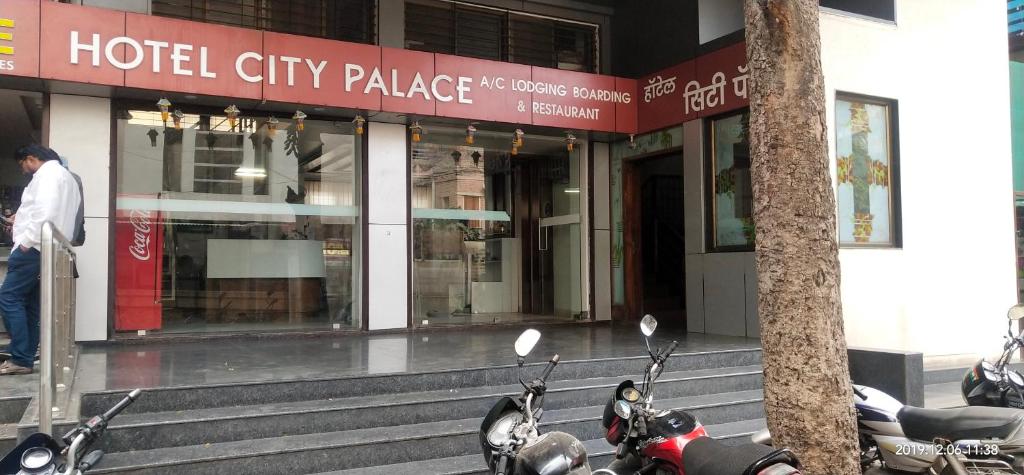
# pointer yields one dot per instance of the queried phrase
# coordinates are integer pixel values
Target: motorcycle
(41, 454)
(653, 441)
(508, 435)
(997, 385)
(970, 440)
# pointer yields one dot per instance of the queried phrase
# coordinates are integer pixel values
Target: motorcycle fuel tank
(668, 434)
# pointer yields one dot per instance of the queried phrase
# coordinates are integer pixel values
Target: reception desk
(264, 259)
(259, 280)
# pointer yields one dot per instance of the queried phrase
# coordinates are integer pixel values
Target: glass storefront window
(236, 227)
(732, 224)
(864, 172)
(496, 236)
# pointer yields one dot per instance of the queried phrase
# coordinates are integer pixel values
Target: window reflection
(495, 235)
(246, 227)
(733, 223)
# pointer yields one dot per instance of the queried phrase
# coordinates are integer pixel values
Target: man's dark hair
(42, 153)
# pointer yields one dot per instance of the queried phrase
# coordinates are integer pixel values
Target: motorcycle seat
(707, 456)
(959, 424)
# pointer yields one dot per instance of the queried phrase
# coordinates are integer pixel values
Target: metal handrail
(57, 350)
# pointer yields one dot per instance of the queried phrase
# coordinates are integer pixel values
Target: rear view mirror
(1016, 312)
(526, 342)
(648, 324)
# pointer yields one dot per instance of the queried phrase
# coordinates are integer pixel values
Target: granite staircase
(423, 423)
(11, 410)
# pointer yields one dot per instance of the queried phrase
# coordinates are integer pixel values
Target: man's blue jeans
(19, 305)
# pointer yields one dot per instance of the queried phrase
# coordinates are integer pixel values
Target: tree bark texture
(808, 398)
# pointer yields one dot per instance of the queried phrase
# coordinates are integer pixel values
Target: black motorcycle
(997, 385)
(508, 435)
(41, 454)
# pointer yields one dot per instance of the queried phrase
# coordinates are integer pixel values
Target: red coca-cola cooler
(139, 268)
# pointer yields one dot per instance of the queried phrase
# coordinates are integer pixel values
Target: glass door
(550, 194)
(496, 231)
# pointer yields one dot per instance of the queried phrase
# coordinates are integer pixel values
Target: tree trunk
(808, 398)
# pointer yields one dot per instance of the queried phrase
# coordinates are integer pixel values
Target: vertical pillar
(694, 222)
(78, 128)
(602, 243)
(391, 23)
(388, 236)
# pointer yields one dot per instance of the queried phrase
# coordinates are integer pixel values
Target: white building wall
(79, 130)
(947, 290)
(388, 237)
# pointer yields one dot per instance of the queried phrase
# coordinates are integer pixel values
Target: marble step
(359, 448)
(13, 408)
(8, 437)
(183, 398)
(181, 428)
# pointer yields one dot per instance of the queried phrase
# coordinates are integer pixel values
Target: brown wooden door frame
(632, 237)
(631, 240)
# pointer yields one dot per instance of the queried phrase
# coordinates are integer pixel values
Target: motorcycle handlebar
(120, 406)
(668, 352)
(550, 367)
(499, 469)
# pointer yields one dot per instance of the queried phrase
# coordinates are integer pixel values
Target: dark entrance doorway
(654, 236)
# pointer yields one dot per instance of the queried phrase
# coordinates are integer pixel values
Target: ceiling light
(251, 172)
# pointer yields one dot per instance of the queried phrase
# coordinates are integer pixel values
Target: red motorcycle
(669, 442)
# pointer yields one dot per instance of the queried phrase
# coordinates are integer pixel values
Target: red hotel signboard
(709, 85)
(101, 46)
(108, 47)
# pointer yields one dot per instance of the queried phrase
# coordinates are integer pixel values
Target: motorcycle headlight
(1015, 378)
(991, 376)
(623, 409)
(631, 395)
(501, 431)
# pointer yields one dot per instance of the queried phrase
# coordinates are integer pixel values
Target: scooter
(997, 385)
(508, 435)
(936, 441)
(650, 440)
(41, 454)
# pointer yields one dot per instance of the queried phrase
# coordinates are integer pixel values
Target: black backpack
(79, 238)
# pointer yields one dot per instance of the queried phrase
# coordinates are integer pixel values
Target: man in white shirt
(53, 196)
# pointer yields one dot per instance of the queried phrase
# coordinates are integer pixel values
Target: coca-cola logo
(139, 245)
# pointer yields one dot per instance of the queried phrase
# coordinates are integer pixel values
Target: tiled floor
(225, 361)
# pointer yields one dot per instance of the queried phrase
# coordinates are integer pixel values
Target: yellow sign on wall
(6, 24)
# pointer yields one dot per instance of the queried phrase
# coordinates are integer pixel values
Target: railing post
(56, 324)
(46, 330)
